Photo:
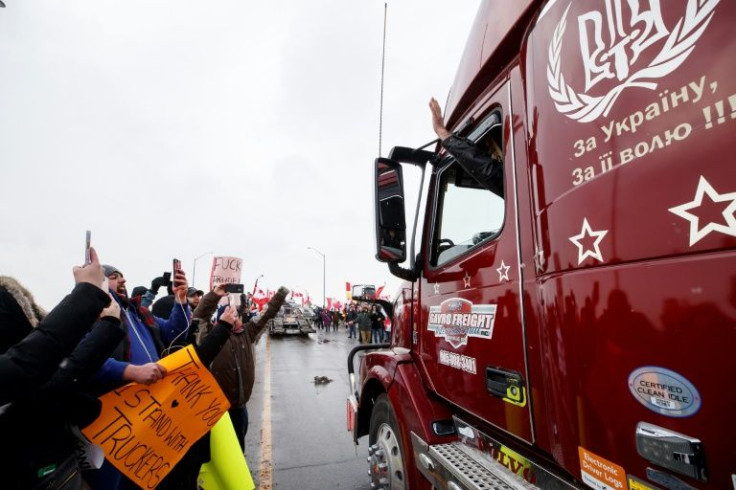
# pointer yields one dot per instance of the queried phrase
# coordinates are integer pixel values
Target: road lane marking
(265, 472)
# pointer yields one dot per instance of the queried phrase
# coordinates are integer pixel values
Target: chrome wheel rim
(386, 465)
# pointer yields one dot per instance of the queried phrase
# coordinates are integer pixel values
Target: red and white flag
(260, 298)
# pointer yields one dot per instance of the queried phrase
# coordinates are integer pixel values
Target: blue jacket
(143, 344)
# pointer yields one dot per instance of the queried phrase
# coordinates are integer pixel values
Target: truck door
(470, 332)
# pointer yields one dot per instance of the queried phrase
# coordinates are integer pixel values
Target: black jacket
(36, 427)
(477, 162)
(36, 424)
(29, 356)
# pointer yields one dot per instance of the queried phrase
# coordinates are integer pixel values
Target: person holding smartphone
(33, 343)
(136, 357)
(234, 367)
(42, 368)
(147, 337)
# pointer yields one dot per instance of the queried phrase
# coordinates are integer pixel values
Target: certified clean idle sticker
(456, 319)
(665, 392)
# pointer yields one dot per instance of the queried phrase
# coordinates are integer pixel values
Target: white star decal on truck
(595, 250)
(696, 232)
(503, 272)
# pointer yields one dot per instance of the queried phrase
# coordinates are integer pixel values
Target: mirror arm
(412, 263)
(401, 273)
(433, 142)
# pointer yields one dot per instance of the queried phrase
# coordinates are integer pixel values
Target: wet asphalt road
(310, 447)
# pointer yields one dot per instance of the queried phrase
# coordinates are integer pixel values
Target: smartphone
(87, 255)
(234, 288)
(177, 268)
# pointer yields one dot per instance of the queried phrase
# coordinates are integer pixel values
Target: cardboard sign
(225, 270)
(145, 430)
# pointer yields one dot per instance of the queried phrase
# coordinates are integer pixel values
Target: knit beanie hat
(109, 270)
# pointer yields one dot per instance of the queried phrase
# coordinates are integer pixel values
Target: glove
(157, 283)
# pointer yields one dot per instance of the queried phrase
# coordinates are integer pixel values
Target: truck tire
(385, 458)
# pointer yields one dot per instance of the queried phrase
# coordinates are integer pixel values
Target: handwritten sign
(145, 430)
(225, 270)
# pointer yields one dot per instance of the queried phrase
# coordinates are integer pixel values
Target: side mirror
(390, 217)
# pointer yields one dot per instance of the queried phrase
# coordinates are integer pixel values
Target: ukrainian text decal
(456, 319)
(626, 44)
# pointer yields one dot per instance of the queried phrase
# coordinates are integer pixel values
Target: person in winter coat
(147, 339)
(31, 350)
(185, 474)
(351, 320)
(234, 367)
(364, 326)
(38, 448)
(326, 319)
(377, 325)
(484, 164)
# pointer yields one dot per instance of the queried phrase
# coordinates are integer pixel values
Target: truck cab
(575, 329)
(289, 321)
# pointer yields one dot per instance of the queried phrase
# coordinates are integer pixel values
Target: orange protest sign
(145, 430)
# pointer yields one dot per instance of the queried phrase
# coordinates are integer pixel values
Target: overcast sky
(176, 128)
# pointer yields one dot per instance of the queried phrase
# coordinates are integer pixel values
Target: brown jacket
(234, 367)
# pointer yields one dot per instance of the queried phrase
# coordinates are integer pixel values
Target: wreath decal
(676, 49)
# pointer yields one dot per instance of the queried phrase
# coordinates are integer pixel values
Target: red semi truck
(576, 330)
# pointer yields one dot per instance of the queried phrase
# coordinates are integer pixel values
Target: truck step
(469, 473)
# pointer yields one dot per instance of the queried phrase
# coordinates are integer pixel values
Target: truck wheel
(385, 458)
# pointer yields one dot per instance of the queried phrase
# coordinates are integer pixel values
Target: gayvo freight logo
(456, 319)
(622, 44)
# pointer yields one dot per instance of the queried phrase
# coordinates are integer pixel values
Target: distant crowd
(363, 322)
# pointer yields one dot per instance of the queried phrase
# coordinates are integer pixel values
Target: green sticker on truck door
(665, 392)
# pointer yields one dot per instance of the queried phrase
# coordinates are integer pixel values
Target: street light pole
(194, 267)
(324, 268)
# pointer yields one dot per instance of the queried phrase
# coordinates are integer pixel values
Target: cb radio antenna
(383, 66)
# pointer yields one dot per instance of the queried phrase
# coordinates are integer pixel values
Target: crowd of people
(363, 322)
(55, 365)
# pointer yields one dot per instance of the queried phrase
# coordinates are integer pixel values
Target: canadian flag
(348, 291)
(260, 298)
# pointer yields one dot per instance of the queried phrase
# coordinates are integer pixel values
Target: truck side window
(467, 212)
